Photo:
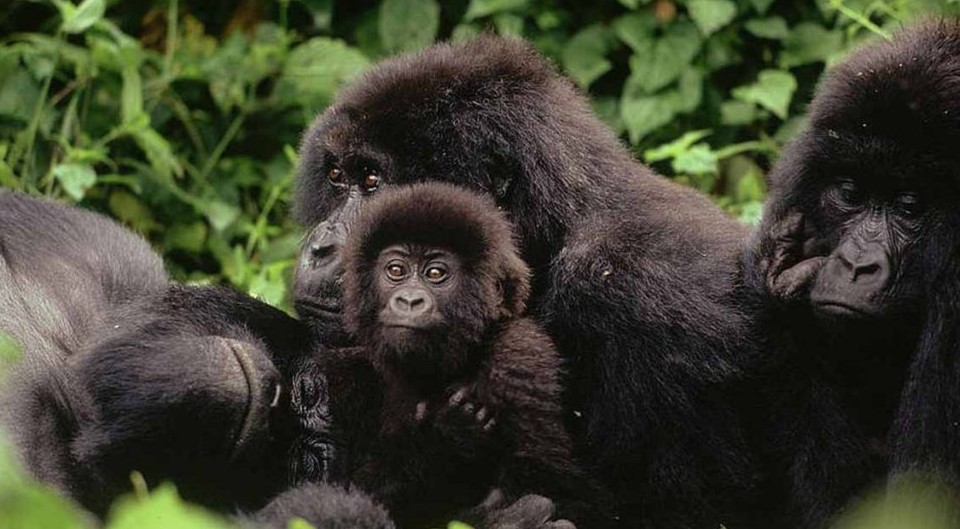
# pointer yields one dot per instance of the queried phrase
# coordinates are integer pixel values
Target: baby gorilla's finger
(490, 424)
(458, 397)
(482, 414)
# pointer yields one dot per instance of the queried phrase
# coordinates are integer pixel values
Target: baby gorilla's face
(416, 286)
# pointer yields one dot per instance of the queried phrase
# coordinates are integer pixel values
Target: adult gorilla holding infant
(633, 274)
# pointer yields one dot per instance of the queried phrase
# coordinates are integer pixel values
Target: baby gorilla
(434, 291)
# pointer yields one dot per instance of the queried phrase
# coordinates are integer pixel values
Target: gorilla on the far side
(856, 269)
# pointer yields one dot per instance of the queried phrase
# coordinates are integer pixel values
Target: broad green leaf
(458, 525)
(408, 25)
(161, 509)
(643, 115)
(220, 214)
(761, 6)
(808, 43)
(508, 24)
(636, 30)
(584, 57)
(697, 160)
(75, 178)
(483, 8)
(268, 287)
(675, 147)
(131, 211)
(689, 91)
(664, 60)
(773, 90)
(188, 237)
(711, 15)
(85, 15)
(19, 93)
(316, 69)
(299, 523)
(774, 28)
(736, 113)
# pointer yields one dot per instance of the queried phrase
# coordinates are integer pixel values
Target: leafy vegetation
(181, 118)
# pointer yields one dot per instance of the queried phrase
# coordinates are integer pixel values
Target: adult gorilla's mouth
(328, 309)
(263, 394)
(840, 309)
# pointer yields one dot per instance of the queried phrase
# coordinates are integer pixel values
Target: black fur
(854, 397)
(633, 274)
(469, 405)
(124, 371)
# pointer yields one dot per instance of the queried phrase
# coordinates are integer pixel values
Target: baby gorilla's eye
(371, 182)
(436, 273)
(335, 175)
(396, 271)
(849, 190)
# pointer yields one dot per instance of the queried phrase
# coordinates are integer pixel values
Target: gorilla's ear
(514, 286)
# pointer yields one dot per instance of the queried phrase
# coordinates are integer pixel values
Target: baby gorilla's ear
(514, 286)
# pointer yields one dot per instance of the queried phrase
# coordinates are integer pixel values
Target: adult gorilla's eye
(909, 202)
(848, 190)
(396, 271)
(436, 273)
(335, 175)
(371, 182)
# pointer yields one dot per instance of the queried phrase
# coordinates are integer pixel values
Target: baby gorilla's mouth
(263, 394)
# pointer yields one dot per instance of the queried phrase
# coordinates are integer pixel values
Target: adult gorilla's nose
(320, 258)
(261, 385)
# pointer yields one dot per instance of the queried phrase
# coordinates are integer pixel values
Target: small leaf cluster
(181, 118)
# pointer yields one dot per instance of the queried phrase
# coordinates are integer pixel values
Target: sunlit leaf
(711, 15)
(75, 178)
(773, 90)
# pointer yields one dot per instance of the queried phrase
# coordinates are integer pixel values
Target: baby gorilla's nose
(411, 302)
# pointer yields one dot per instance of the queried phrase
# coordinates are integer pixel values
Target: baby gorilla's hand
(465, 418)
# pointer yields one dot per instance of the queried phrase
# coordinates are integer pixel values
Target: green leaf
(483, 8)
(664, 60)
(161, 509)
(711, 15)
(75, 178)
(809, 43)
(636, 30)
(131, 211)
(761, 6)
(158, 151)
(131, 95)
(508, 24)
(316, 70)
(458, 525)
(584, 57)
(697, 160)
(10, 352)
(773, 28)
(643, 115)
(737, 112)
(220, 214)
(773, 91)
(88, 13)
(408, 25)
(675, 147)
(299, 523)
(187, 237)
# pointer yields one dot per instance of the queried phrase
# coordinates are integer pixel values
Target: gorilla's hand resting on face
(856, 267)
(632, 275)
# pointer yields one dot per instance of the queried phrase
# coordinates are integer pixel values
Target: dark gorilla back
(633, 274)
(856, 267)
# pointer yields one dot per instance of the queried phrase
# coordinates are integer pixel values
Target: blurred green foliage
(181, 118)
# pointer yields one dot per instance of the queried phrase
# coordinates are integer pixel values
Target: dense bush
(181, 118)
